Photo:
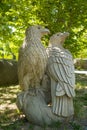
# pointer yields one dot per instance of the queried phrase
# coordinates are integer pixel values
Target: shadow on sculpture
(45, 76)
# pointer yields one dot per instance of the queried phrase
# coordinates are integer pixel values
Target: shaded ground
(12, 119)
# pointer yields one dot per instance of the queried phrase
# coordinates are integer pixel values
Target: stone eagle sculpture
(61, 72)
(32, 58)
(51, 72)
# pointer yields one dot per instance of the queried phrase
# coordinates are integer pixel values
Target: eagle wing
(61, 70)
(31, 65)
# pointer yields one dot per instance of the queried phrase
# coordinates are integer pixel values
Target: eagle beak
(46, 31)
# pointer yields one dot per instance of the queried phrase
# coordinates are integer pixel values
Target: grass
(8, 109)
(11, 119)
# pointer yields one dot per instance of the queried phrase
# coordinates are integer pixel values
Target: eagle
(60, 69)
(32, 58)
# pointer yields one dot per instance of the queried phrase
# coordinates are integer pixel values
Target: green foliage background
(57, 15)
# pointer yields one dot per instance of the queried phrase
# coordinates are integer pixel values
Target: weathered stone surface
(32, 58)
(36, 109)
(8, 72)
(45, 80)
(61, 72)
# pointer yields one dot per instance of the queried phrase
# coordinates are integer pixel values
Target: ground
(12, 119)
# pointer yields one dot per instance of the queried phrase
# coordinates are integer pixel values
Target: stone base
(37, 111)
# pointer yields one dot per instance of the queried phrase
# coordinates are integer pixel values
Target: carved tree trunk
(8, 72)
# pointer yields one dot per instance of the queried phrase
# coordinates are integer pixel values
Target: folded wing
(61, 69)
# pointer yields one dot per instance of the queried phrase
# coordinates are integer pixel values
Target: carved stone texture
(46, 88)
(32, 59)
(56, 82)
(61, 72)
(36, 109)
(8, 72)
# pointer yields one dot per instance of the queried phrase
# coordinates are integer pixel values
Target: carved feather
(60, 66)
(32, 58)
(61, 72)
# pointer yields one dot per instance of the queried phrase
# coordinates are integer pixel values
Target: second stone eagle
(61, 72)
